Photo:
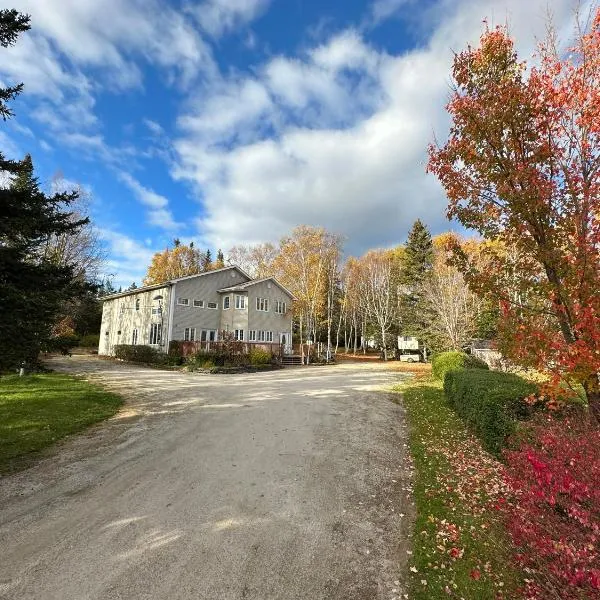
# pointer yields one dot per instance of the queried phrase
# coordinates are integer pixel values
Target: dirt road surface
(292, 484)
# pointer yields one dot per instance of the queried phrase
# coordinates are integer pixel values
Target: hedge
(491, 402)
(258, 356)
(91, 340)
(446, 361)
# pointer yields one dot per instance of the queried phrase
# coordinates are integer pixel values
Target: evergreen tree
(220, 262)
(32, 289)
(418, 257)
(12, 23)
(417, 264)
(207, 261)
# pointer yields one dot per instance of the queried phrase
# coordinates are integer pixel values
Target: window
(137, 304)
(262, 304)
(189, 334)
(211, 305)
(240, 301)
(252, 335)
(208, 335)
(280, 307)
(226, 302)
(269, 336)
(239, 335)
(198, 303)
(155, 330)
(134, 337)
(261, 336)
(183, 301)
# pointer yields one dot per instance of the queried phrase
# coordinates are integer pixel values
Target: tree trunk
(301, 337)
(383, 343)
(592, 391)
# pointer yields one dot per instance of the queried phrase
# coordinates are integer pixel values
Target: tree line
(353, 302)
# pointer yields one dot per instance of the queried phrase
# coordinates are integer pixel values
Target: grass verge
(460, 548)
(38, 410)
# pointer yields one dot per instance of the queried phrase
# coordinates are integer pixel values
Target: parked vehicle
(411, 358)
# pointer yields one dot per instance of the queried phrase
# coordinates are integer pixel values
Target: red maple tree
(522, 167)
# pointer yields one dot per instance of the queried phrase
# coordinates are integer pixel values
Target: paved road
(286, 485)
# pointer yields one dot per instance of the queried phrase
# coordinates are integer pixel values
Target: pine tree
(12, 23)
(220, 262)
(418, 258)
(417, 264)
(32, 289)
(207, 261)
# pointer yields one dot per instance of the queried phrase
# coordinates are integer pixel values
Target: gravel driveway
(292, 484)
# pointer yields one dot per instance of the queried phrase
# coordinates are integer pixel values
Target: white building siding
(120, 316)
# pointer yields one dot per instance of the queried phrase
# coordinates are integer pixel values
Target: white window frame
(268, 336)
(214, 334)
(216, 305)
(280, 307)
(198, 303)
(183, 301)
(252, 335)
(226, 302)
(155, 334)
(134, 336)
(262, 304)
(260, 335)
(239, 335)
(240, 301)
(189, 334)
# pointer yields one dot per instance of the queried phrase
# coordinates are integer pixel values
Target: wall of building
(270, 320)
(202, 288)
(234, 318)
(120, 317)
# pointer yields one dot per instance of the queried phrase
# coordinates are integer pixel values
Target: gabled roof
(145, 288)
(242, 287)
(170, 282)
(213, 271)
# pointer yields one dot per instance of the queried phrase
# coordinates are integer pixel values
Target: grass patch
(460, 548)
(38, 410)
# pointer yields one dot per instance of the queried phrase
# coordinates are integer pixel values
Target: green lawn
(460, 549)
(38, 410)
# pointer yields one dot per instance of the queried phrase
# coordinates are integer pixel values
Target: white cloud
(384, 9)
(154, 127)
(128, 259)
(9, 148)
(77, 49)
(340, 140)
(221, 16)
(159, 214)
(110, 34)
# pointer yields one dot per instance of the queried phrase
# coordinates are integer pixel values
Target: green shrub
(61, 343)
(490, 402)
(176, 348)
(446, 361)
(92, 340)
(139, 353)
(258, 356)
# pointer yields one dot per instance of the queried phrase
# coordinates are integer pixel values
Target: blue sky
(232, 121)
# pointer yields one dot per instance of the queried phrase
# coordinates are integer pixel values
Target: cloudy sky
(232, 121)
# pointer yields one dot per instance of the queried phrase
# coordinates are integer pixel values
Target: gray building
(199, 308)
